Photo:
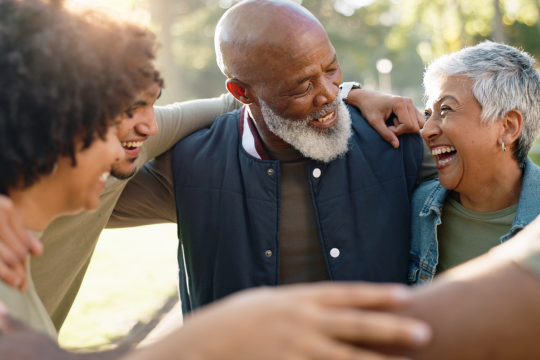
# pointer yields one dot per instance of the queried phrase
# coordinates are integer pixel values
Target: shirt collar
(251, 141)
(529, 199)
(435, 200)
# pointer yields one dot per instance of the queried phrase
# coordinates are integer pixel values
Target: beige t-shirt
(70, 241)
(27, 307)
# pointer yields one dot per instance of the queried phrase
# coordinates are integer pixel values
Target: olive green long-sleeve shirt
(70, 241)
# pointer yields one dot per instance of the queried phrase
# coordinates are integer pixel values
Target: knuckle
(401, 101)
(7, 276)
(398, 332)
(6, 204)
(10, 258)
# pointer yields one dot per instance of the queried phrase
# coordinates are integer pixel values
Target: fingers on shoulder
(407, 115)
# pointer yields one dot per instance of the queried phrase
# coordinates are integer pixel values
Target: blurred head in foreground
(66, 82)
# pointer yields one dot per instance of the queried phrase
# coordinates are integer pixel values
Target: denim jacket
(426, 208)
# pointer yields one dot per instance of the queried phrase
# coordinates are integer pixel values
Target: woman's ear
(512, 123)
(239, 90)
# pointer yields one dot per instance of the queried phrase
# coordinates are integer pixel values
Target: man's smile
(132, 147)
(326, 121)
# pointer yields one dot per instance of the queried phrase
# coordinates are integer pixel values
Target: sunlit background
(384, 44)
(408, 33)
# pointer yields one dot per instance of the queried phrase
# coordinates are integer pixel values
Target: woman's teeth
(443, 150)
(444, 162)
(134, 144)
(104, 176)
(323, 119)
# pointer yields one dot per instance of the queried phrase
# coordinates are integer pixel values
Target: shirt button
(270, 172)
(268, 253)
(334, 252)
(317, 173)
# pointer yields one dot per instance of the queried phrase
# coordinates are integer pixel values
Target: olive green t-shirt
(465, 234)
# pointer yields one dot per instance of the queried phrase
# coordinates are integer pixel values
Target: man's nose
(147, 125)
(327, 94)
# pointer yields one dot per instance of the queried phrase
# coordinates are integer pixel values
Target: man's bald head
(254, 35)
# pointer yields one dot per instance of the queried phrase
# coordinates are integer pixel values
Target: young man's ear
(239, 90)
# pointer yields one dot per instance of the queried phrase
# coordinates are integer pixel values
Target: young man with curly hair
(61, 98)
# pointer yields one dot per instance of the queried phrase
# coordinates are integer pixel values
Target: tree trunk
(497, 24)
(161, 10)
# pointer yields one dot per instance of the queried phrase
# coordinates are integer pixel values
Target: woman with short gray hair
(482, 118)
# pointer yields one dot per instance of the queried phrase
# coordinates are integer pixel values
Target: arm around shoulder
(181, 119)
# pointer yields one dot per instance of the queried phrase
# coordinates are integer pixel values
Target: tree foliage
(408, 32)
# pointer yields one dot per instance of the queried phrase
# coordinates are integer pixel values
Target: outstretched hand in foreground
(318, 321)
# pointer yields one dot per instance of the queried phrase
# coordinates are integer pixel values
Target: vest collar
(251, 141)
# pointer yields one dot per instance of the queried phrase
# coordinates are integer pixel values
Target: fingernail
(395, 143)
(402, 294)
(421, 334)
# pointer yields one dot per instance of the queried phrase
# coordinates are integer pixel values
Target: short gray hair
(503, 79)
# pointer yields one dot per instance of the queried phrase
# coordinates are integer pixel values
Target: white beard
(318, 144)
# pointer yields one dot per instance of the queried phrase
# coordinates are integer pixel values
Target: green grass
(535, 158)
(132, 273)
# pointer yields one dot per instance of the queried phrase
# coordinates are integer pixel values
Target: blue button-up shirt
(426, 208)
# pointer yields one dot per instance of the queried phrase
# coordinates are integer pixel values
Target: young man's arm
(178, 120)
(148, 198)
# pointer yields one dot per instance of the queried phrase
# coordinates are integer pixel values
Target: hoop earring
(503, 148)
(55, 167)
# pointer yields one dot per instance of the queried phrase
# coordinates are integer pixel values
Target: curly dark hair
(65, 76)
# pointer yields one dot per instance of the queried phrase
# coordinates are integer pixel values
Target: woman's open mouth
(444, 155)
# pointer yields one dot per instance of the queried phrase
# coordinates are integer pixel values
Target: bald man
(294, 187)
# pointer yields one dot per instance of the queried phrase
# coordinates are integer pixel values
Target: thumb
(36, 247)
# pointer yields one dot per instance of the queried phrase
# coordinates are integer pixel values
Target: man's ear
(239, 90)
(512, 123)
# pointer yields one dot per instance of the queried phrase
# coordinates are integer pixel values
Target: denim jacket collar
(435, 201)
(528, 207)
